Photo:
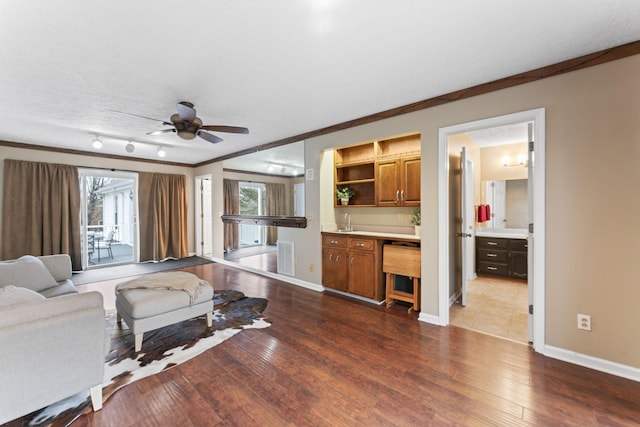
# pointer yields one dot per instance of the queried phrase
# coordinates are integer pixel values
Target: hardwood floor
(329, 361)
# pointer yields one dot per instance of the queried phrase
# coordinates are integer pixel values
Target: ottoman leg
(209, 320)
(138, 342)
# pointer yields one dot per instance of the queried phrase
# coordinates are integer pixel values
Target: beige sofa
(53, 340)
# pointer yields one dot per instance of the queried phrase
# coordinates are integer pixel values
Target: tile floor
(496, 306)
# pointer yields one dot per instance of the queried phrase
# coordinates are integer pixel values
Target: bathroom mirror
(508, 200)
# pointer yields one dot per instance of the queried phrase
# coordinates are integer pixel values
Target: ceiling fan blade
(161, 131)
(230, 129)
(186, 111)
(209, 137)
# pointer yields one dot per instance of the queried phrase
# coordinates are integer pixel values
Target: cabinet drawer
(518, 245)
(491, 243)
(334, 241)
(493, 268)
(361, 244)
(492, 256)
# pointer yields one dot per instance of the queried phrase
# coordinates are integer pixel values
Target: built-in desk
(352, 261)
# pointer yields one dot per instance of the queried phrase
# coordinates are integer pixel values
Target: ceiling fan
(188, 126)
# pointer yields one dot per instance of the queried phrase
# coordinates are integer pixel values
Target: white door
(467, 220)
(530, 242)
(206, 243)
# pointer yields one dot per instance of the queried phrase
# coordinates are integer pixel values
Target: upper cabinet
(381, 173)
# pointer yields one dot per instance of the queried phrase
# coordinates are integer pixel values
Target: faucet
(348, 227)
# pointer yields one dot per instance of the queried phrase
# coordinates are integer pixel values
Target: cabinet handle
(334, 242)
(492, 243)
(397, 195)
(359, 244)
(337, 258)
(330, 257)
(401, 194)
(492, 255)
(492, 268)
(351, 262)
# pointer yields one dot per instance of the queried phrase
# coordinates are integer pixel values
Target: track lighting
(97, 144)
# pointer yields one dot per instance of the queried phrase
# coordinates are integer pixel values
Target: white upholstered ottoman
(157, 300)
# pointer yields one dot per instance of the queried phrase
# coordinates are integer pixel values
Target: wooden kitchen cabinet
(398, 182)
(334, 262)
(381, 173)
(352, 264)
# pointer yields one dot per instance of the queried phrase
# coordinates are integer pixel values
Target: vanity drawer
(334, 241)
(493, 268)
(491, 243)
(361, 244)
(518, 245)
(492, 256)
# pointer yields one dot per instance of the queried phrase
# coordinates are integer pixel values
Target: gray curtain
(275, 204)
(162, 202)
(41, 210)
(231, 189)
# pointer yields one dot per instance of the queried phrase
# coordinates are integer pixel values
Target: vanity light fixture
(521, 160)
(97, 143)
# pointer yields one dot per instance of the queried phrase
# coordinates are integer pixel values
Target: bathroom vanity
(502, 252)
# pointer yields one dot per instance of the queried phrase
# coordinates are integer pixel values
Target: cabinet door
(334, 268)
(518, 265)
(362, 273)
(387, 183)
(411, 181)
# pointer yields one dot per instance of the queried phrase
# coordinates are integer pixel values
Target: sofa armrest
(58, 265)
(50, 350)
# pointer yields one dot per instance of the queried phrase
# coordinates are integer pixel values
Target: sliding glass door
(109, 226)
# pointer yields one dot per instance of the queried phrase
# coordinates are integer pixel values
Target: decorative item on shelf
(344, 194)
(416, 220)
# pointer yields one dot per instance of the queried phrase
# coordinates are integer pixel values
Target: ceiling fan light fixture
(185, 134)
(97, 143)
(161, 152)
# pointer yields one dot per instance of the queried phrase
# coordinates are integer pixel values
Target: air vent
(286, 263)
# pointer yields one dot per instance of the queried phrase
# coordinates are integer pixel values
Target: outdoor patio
(122, 253)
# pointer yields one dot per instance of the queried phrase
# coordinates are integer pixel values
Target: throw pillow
(10, 295)
(26, 272)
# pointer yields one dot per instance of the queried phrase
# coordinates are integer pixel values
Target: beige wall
(592, 156)
(101, 163)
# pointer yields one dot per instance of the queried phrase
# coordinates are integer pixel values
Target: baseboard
(354, 296)
(430, 318)
(591, 362)
(288, 279)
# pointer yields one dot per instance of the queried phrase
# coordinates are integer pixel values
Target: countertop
(503, 233)
(389, 236)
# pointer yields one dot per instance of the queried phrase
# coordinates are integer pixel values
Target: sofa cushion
(26, 272)
(10, 295)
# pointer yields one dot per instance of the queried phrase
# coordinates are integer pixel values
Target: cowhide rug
(161, 349)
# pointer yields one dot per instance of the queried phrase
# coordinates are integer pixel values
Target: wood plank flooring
(329, 361)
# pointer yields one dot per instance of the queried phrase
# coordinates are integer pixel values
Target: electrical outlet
(311, 268)
(584, 322)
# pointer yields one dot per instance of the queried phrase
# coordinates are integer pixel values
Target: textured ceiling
(279, 68)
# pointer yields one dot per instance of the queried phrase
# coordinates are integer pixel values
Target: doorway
(450, 225)
(109, 214)
(204, 216)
